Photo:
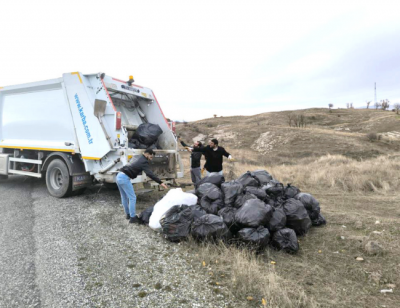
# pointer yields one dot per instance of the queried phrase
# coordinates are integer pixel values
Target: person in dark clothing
(214, 155)
(195, 170)
(131, 171)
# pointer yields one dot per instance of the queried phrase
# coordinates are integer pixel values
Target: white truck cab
(74, 131)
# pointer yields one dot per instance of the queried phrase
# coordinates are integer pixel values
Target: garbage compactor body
(74, 131)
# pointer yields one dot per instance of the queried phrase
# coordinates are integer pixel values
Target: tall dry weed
(337, 172)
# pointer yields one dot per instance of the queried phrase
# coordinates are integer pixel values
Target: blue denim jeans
(128, 196)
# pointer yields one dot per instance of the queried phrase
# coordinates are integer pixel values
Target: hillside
(358, 190)
(342, 131)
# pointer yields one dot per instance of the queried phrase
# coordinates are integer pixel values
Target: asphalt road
(81, 252)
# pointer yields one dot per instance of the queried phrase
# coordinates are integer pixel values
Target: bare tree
(299, 120)
(330, 107)
(348, 105)
(215, 115)
(351, 106)
(377, 105)
(385, 104)
(368, 103)
(397, 107)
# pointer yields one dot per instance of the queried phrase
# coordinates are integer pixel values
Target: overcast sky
(212, 57)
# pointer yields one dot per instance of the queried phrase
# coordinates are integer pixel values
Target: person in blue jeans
(131, 171)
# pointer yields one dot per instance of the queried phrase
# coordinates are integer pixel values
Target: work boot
(128, 216)
(134, 220)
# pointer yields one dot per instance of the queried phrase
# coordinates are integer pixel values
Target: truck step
(37, 175)
(24, 160)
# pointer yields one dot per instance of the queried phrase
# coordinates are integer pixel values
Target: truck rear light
(118, 121)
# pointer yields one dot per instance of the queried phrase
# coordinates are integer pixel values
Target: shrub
(373, 137)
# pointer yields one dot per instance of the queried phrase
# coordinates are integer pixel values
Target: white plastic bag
(173, 197)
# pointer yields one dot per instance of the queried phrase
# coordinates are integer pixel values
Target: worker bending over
(214, 155)
(131, 171)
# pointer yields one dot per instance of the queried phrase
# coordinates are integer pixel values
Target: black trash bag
(258, 192)
(210, 227)
(296, 216)
(310, 203)
(286, 240)
(197, 211)
(231, 190)
(147, 133)
(203, 189)
(211, 206)
(255, 238)
(176, 222)
(247, 179)
(291, 191)
(213, 178)
(319, 221)
(242, 198)
(262, 176)
(144, 216)
(253, 213)
(135, 144)
(274, 189)
(228, 215)
(278, 220)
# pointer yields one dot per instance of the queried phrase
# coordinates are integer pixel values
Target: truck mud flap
(81, 180)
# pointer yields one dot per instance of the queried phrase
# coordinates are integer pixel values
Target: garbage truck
(75, 132)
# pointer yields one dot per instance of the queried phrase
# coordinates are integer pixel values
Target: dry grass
(248, 278)
(335, 172)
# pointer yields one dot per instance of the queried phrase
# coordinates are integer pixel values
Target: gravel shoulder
(81, 252)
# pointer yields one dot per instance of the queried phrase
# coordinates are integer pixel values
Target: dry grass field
(357, 184)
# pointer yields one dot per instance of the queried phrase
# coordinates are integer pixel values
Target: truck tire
(58, 180)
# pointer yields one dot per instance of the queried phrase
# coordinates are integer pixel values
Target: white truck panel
(36, 116)
(93, 144)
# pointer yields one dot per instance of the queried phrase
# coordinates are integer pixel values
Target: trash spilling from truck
(254, 211)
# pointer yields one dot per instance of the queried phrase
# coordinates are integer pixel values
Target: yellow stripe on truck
(30, 148)
(79, 76)
(91, 158)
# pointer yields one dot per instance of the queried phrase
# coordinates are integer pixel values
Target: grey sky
(212, 57)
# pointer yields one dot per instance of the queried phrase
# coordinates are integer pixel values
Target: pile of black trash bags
(146, 136)
(253, 211)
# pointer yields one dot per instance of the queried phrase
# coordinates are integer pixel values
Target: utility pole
(375, 93)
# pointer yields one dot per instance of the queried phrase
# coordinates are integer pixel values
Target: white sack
(173, 197)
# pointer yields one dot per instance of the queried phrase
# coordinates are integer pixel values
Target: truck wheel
(58, 180)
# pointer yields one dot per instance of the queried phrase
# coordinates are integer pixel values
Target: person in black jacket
(214, 155)
(131, 171)
(195, 170)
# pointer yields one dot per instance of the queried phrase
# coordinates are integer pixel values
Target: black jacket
(137, 167)
(195, 157)
(214, 158)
